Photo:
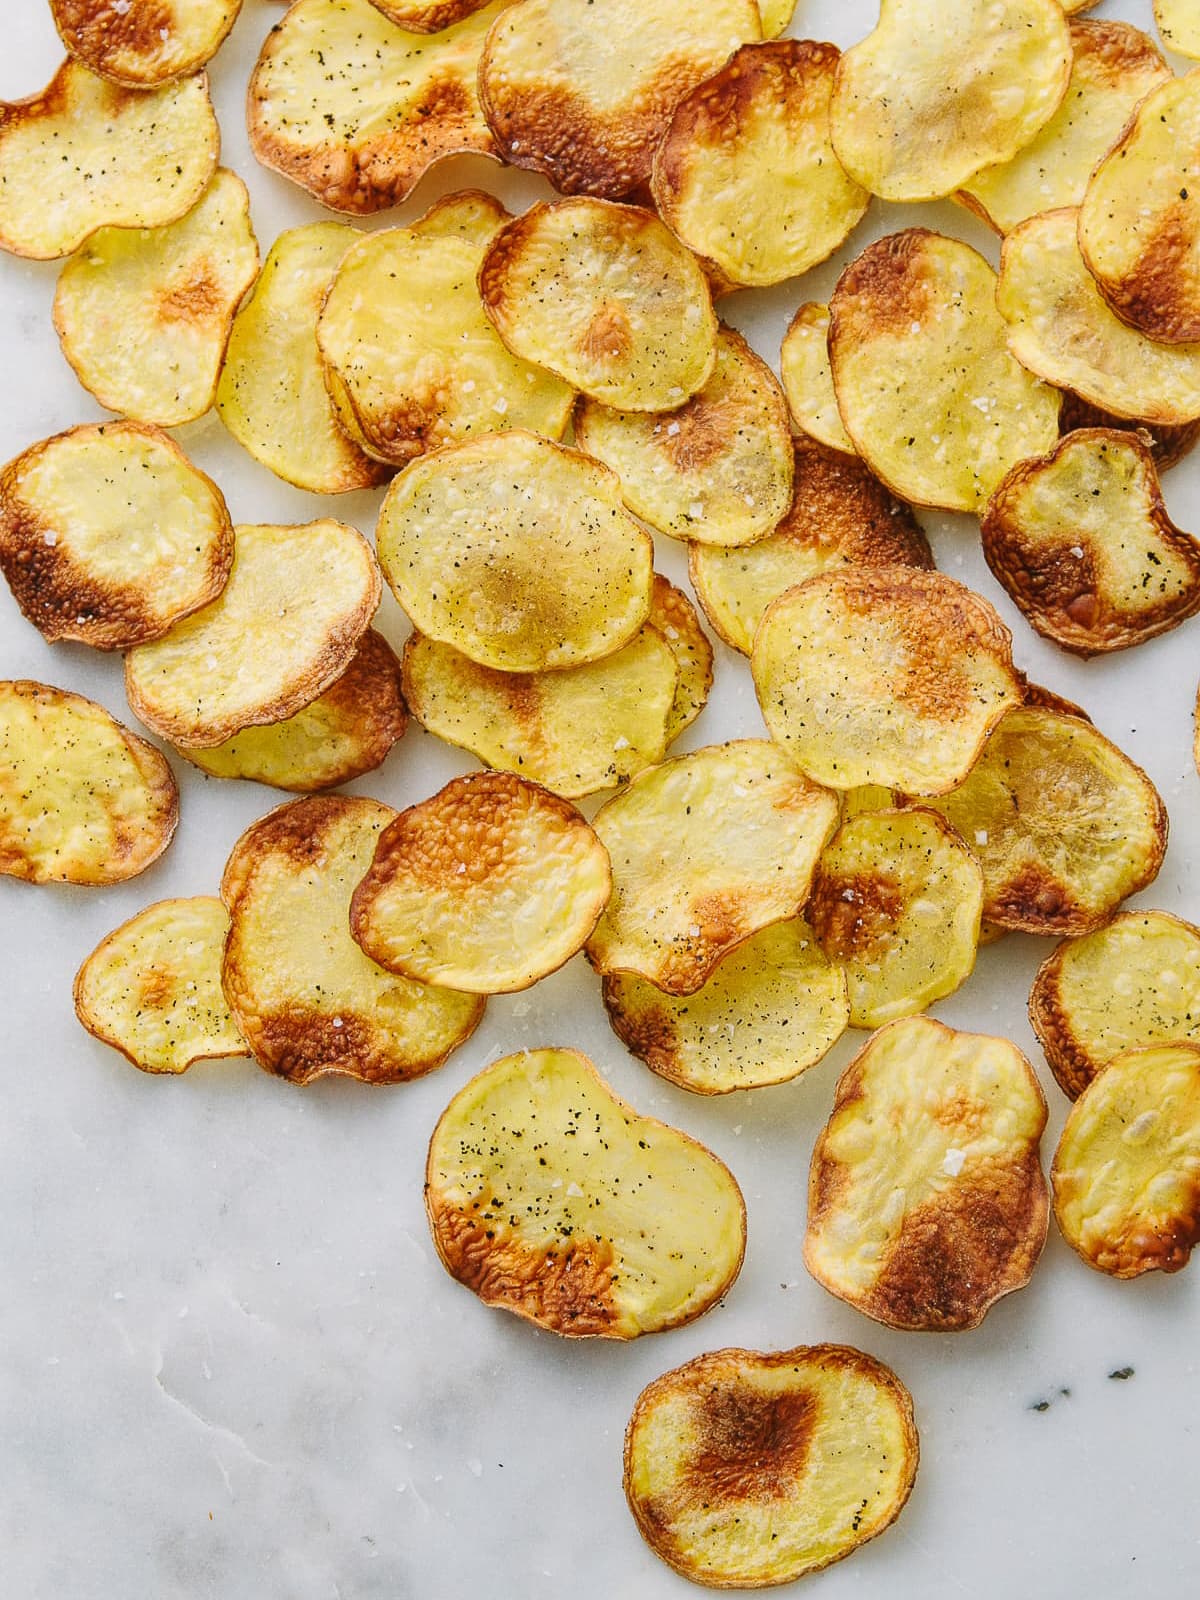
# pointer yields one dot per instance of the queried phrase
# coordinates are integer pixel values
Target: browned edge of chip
(94, 31)
(1036, 694)
(427, 16)
(1167, 442)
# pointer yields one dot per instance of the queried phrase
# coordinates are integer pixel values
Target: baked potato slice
(1167, 444)
(808, 378)
(427, 16)
(775, 16)
(144, 43)
(673, 617)
(1179, 26)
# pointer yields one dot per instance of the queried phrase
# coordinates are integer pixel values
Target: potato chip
(919, 109)
(611, 1224)
(866, 797)
(1036, 694)
(1126, 1173)
(517, 552)
(1167, 445)
(1082, 542)
(152, 989)
(470, 214)
(486, 887)
(887, 675)
(775, 15)
(356, 110)
(285, 627)
(82, 800)
(1179, 24)
(673, 617)
(306, 998)
(582, 90)
(770, 1010)
(840, 515)
(926, 387)
(706, 849)
(926, 1200)
(808, 378)
(144, 315)
(746, 1470)
(1062, 823)
(718, 469)
(142, 43)
(605, 297)
(427, 16)
(109, 535)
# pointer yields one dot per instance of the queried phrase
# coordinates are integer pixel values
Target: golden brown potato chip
(582, 90)
(109, 535)
(305, 997)
(550, 1197)
(926, 1200)
(745, 1470)
(840, 515)
(775, 15)
(606, 297)
(706, 849)
(1126, 1173)
(1167, 445)
(517, 552)
(82, 800)
(152, 988)
(142, 43)
(673, 617)
(1179, 24)
(883, 675)
(283, 629)
(808, 378)
(926, 386)
(1036, 694)
(427, 16)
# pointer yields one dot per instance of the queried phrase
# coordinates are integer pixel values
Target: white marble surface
(231, 1367)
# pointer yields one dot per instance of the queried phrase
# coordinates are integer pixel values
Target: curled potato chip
(1126, 1173)
(86, 154)
(926, 1200)
(306, 998)
(706, 849)
(886, 675)
(775, 16)
(745, 1470)
(673, 617)
(605, 297)
(1179, 24)
(1167, 445)
(109, 535)
(283, 629)
(143, 43)
(517, 552)
(808, 378)
(144, 315)
(1132, 983)
(470, 214)
(840, 515)
(427, 16)
(611, 1224)
(1062, 823)
(82, 800)
(770, 1010)
(152, 988)
(927, 389)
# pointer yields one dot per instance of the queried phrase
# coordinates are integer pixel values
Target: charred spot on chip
(143, 43)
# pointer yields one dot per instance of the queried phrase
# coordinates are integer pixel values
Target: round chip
(142, 43)
(808, 378)
(427, 16)
(1167, 445)
(1126, 1173)
(284, 628)
(109, 535)
(305, 997)
(605, 297)
(517, 552)
(611, 1224)
(486, 887)
(926, 1200)
(706, 849)
(673, 617)
(886, 675)
(82, 800)
(1179, 24)
(152, 989)
(745, 1470)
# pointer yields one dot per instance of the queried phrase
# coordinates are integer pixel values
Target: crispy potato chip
(582, 90)
(1167, 445)
(706, 849)
(1062, 823)
(673, 617)
(1126, 1173)
(272, 395)
(152, 988)
(719, 469)
(926, 386)
(86, 154)
(887, 675)
(1036, 694)
(605, 297)
(306, 998)
(355, 110)
(808, 378)
(285, 627)
(840, 515)
(866, 797)
(82, 800)
(926, 1200)
(517, 552)
(470, 214)
(1082, 542)
(109, 535)
(611, 1224)
(144, 315)
(143, 43)
(1179, 24)
(745, 1470)
(427, 16)
(770, 1010)
(1134, 982)
(775, 15)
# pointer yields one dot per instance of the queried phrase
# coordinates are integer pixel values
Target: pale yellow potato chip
(808, 378)
(775, 15)
(866, 797)
(673, 617)
(1167, 444)
(1179, 25)
(427, 16)
(470, 214)
(142, 43)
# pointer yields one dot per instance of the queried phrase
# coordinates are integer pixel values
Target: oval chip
(142, 43)
(808, 378)
(673, 617)
(1179, 24)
